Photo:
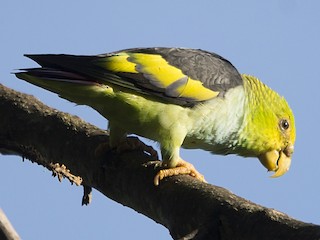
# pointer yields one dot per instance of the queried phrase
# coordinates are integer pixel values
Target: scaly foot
(129, 144)
(182, 168)
(133, 143)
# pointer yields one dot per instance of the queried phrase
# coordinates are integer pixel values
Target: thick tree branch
(189, 209)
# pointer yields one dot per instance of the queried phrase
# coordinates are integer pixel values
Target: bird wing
(177, 75)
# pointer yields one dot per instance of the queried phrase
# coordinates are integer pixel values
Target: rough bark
(67, 146)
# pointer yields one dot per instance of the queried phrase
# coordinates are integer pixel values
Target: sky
(275, 40)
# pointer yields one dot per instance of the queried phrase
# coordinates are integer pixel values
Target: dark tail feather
(50, 74)
(79, 65)
(74, 69)
(61, 61)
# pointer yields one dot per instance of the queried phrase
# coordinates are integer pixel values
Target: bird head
(269, 129)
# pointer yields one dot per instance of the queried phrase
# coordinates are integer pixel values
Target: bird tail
(72, 77)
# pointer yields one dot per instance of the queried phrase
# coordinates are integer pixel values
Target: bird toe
(182, 168)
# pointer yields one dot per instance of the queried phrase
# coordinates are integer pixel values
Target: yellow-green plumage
(178, 97)
(267, 108)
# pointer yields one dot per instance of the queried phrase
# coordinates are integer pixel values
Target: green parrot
(178, 97)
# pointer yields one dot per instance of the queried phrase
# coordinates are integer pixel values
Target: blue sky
(275, 40)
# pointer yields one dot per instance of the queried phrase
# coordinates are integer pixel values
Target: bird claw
(155, 164)
(133, 143)
(182, 168)
(130, 144)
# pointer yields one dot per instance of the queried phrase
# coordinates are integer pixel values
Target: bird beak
(277, 161)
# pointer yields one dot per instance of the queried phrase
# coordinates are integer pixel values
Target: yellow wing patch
(160, 74)
(156, 68)
(195, 90)
(119, 63)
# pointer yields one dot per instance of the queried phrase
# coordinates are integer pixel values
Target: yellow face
(270, 131)
(278, 160)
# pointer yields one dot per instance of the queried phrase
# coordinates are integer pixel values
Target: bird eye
(284, 124)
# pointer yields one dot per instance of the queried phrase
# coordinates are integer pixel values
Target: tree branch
(7, 231)
(68, 147)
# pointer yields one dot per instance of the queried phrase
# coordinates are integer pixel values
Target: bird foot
(129, 144)
(182, 168)
(133, 143)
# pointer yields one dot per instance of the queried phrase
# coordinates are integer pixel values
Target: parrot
(178, 97)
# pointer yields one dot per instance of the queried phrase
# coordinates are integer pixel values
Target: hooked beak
(277, 161)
